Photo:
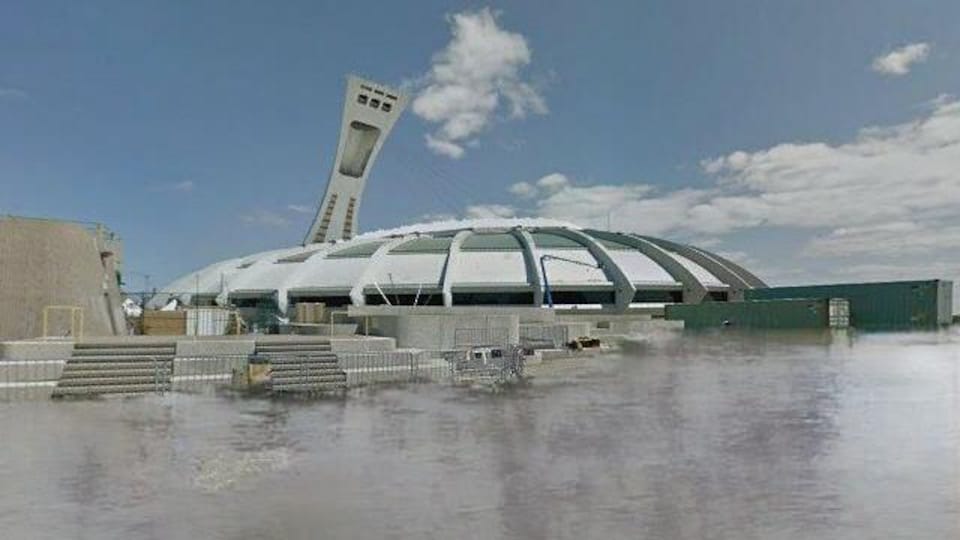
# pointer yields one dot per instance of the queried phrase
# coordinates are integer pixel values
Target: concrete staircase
(303, 366)
(117, 368)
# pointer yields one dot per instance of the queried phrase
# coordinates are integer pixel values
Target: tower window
(361, 139)
(362, 99)
(375, 103)
(386, 107)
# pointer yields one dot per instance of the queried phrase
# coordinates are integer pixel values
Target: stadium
(492, 262)
(518, 262)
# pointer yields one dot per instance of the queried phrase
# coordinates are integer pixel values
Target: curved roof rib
(693, 290)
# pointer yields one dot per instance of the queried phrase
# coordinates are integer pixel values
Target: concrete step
(267, 349)
(305, 372)
(125, 351)
(114, 373)
(302, 374)
(295, 352)
(342, 377)
(287, 360)
(311, 366)
(309, 387)
(111, 389)
(124, 343)
(112, 381)
(72, 365)
(304, 367)
(291, 365)
(268, 341)
(117, 359)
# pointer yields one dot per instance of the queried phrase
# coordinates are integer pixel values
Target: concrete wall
(44, 263)
(553, 335)
(447, 331)
(437, 327)
(353, 344)
(36, 350)
(525, 314)
(215, 347)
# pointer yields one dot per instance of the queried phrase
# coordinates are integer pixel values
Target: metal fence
(486, 366)
(293, 372)
(540, 336)
(393, 367)
(204, 373)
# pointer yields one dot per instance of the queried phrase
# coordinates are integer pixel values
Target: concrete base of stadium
(439, 328)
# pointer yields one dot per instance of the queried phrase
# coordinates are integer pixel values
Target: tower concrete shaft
(369, 112)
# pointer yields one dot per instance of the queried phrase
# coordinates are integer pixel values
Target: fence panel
(392, 366)
(553, 336)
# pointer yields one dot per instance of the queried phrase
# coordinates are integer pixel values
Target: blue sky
(807, 139)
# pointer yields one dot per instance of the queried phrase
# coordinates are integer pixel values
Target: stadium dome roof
(474, 262)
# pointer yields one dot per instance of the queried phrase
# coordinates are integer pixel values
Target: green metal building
(895, 305)
(783, 314)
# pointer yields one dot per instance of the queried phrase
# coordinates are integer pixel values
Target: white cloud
(477, 72)
(899, 61)
(265, 218)
(444, 147)
(883, 181)
(300, 209)
(905, 238)
(904, 172)
(886, 203)
(553, 183)
(545, 186)
(523, 189)
(482, 211)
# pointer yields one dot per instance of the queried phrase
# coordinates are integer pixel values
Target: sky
(811, 141)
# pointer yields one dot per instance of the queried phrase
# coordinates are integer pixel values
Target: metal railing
(486, 365)
(366, 368)
(205, 373)
(298, 372)
(553, 336)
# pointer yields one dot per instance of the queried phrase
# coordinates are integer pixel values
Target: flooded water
(694, 438)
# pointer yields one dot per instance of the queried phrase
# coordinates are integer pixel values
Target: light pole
(546, 281)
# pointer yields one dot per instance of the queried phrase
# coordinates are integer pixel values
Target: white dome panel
(415, 269)
(640, 268)
(565, 273)
(490, 267)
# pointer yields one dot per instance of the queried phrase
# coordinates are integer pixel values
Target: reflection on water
(740, 437)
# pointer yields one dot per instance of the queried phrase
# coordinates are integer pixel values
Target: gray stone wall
(48, 263)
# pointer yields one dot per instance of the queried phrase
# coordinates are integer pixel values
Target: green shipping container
(895, 305)
(793, 313)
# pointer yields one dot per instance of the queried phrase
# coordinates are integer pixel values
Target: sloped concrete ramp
(54, 263)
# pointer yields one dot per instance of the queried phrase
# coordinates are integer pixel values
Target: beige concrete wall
(437, 332)
(44, 263)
